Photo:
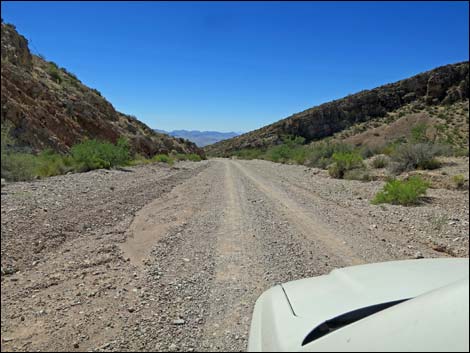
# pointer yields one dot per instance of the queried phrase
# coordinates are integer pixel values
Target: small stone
(76, 345)
(418, 255)
(179, 322)
(173, 347)
(439, 248)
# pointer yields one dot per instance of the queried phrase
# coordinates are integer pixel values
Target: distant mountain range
(201, 138)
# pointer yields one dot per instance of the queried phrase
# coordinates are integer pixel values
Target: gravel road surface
(174, 258)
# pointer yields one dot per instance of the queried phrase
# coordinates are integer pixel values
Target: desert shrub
(460, 152)
(19, 166)
(193, 157)
(319, 154)
(138, 159)
(50, 163)
(179, 156)
(391, 147)
(293, 140)
(286, 153)
(163, 158)
(249, 153)
(416, 156)
(54, 72)
(459, 181)
(343, 162)
(88, 155)
(70, 74)
(15, 166)
(418, 133)
(357, 174)
(380, 162)
(94, 154)
(96, 91)
(400, 192)
(367, 151)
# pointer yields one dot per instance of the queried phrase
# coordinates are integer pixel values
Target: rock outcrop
(48, 107)
(443, 85)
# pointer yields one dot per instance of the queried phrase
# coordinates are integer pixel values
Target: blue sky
(237, 66)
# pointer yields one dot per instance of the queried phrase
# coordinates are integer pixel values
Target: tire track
(304, 220)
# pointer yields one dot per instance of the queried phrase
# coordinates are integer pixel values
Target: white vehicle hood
(285, 315)
(351, 288)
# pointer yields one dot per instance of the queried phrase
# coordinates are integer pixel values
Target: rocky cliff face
(49, 107)
(443, 85)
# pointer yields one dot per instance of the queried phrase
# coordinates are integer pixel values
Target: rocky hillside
(48, 107)
(443, 86)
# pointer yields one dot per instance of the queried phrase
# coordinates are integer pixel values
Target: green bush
(367, 152)
(50, 163)
(88, 155)
(193, 157)
(15, 166)
(186, 157)
(320, 154)
(459, 181)
(418, 133)
(70, 74)
(460, 152)
(400, 192)
(343, 162)
(163, 158)
(179, 156)
(286, 153)
(54, 72)
(380, 162)
(94, 154)
(139, 160)
(360, 174)
(19, 166)
(249, 153)
(416, 156)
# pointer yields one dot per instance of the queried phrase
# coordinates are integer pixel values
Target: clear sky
(237, 66)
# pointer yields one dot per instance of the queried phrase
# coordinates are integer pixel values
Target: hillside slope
(48, 107)
(442, 86)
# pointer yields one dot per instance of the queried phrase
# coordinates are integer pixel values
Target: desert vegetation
(402, 192)
(418, 148)
(20, 164)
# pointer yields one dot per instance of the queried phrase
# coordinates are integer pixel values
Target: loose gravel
(158, 258)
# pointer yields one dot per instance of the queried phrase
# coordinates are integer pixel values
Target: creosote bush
(320, 154)
(398, 192)
(380, 162)
(163, 158)
(344, 162)
(459, 181)
(54, 71)
(94, 154)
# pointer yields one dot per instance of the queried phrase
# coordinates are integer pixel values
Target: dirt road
(193, 248)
